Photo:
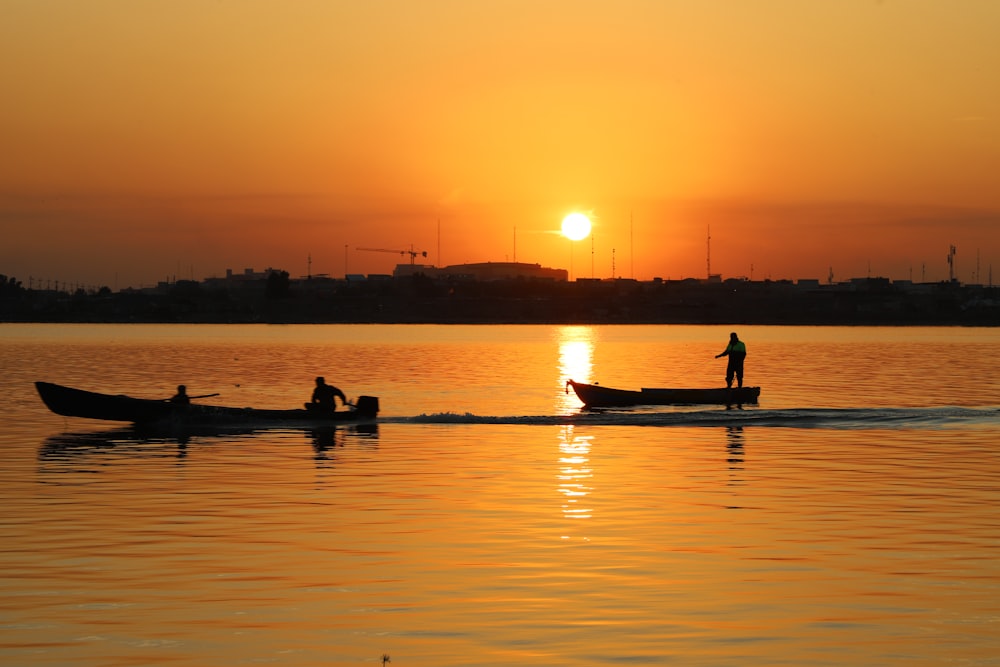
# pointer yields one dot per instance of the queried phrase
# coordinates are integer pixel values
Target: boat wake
(832, 418)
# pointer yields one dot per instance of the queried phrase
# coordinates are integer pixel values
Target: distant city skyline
(977, 273)
(403, 270)
(144, 141)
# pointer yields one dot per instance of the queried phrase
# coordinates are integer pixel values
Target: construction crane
(413, 253)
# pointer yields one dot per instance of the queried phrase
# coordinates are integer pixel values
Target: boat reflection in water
(325, 440)
(149, 442)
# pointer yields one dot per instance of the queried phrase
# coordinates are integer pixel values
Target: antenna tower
(708, 255)
(631, 245)
(592, 256)
(951, 264)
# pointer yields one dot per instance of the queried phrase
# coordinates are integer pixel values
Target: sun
(576, 226)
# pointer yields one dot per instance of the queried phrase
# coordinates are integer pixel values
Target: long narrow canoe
(71, 402)
(596, 396)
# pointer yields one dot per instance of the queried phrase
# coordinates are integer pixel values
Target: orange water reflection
(575, 474)
(576, 353)
(576, 362)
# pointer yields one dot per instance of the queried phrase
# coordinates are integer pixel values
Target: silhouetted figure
(181, 397)
(737, 353)
(324, 395)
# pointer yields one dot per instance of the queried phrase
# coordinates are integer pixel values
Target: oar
(170, 400)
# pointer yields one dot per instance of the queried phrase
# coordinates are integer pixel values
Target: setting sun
(128, 162)
(576, 226)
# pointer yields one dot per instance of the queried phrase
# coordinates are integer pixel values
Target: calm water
(851, 518)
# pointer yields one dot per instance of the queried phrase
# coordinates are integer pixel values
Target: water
(849, 519)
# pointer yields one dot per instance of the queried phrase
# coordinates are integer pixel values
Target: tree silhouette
(278, 285)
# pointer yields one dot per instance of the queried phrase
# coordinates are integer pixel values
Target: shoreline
(406, 301)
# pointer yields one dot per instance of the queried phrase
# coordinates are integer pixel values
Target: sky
(149, 140)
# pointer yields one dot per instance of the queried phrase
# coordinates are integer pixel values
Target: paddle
(170, 400)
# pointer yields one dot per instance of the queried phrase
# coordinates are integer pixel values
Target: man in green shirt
(737, 352)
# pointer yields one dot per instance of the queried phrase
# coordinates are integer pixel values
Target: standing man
(737, 353)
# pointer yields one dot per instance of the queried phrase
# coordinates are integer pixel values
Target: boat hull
(597, 396)
(71, 402)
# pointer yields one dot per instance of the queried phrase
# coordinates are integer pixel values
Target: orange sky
(143, 141)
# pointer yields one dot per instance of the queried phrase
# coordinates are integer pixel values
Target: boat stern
(367, 406)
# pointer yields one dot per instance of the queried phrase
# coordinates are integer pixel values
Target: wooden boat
(596, 396)
(71, 402)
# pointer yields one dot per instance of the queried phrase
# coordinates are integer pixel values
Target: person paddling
(324, 395)
(181, 397)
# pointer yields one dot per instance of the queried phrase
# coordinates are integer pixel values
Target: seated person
(324, 395)
(181, 397)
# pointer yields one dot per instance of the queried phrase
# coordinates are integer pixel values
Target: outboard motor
(367, 405)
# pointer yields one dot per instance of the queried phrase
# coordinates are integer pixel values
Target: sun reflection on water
(575, 474)
(576, 354)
